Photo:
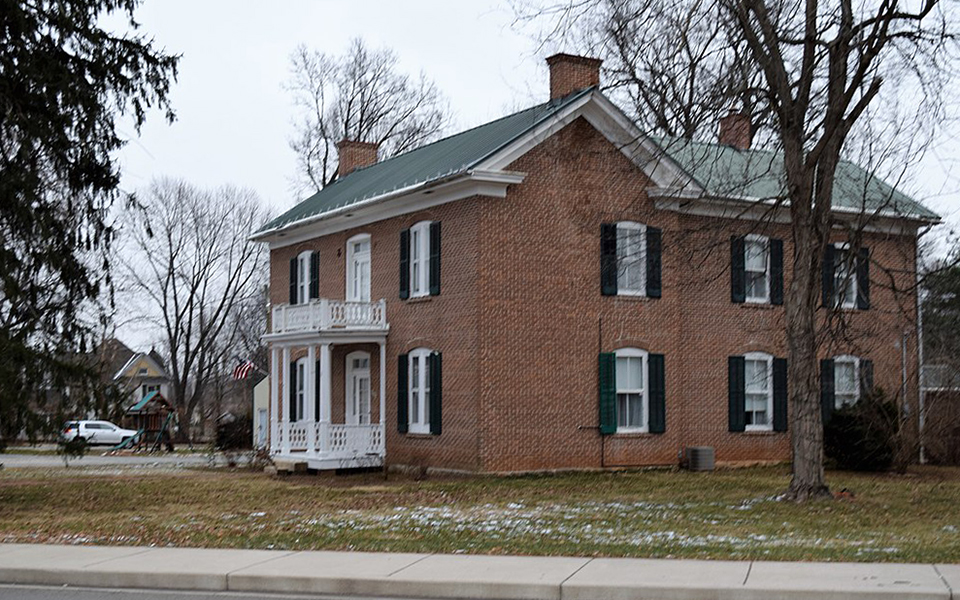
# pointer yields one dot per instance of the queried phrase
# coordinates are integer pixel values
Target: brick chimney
(736, 131)
(354, 155)
(569, 73)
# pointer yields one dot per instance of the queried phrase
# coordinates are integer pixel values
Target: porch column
(325, 399)
(274, 400)
(383, 398)
(285, 427)
(308, 402)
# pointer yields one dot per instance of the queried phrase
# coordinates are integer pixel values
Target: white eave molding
(475, 182)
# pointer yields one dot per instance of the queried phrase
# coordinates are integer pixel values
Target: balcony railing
(333, 440)
(329, 315)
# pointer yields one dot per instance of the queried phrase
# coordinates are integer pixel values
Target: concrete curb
(467, 576)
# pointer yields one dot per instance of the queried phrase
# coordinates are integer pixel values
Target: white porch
(312, 331)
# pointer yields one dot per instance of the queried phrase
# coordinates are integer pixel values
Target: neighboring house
(141, 374)
(606, 299)
(261, 413)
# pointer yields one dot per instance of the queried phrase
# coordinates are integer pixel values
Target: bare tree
(818, 68)
(192, 267)
(361, 96)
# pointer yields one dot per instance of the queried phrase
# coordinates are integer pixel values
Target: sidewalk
(466, 576)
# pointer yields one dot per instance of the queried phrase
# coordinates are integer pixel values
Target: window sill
(762, 432)
(633, 434)
(760, 305)
(419, 436)
(418, 299)
(633, 297)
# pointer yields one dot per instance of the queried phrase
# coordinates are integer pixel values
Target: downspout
(921, 393)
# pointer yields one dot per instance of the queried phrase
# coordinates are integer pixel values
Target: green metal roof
(450, 156)
(143, 401)
(725, 171)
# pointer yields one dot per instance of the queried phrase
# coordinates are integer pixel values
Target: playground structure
(153, 417)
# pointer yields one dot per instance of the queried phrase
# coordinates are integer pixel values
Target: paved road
(96, 459)
(22, 592)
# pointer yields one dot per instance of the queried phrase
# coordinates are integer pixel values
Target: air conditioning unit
(700, 458)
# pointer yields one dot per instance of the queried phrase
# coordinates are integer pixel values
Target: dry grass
(733, 514)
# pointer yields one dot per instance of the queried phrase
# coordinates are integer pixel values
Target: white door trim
(352, 414)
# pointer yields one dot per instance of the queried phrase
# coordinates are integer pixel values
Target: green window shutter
(738, 270)
(293, 280)
(608, 393)
(657, 396)
(316, 392)
(776, 272)
(293, 391)
(736, 378)
(827, 276)
(436, 393)
(403, 406)
(654, 262)
(863, 279)
(404, 264)
(314, 274)
(866, 376)
(780, 394)
(608, 259)
(435, 258)
(827, 392)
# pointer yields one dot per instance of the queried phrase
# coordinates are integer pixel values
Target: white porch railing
(325, 315)
(336, 440)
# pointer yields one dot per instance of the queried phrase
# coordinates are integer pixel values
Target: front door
(358, 389)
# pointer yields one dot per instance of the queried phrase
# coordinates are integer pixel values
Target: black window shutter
(608, 393)
(657, 381)
(293, 391)
(404, 264)
(314, 274)
(654, 252)
(776, 272)
(608, 259)
(316, 392)
(827, 276)
(736, 409)
(738, 269)
(436, 393)
(435, 258)
(866, 376)
(293, 280)
(403, 407)
(863, 279)
(779, 394)
(827, 392)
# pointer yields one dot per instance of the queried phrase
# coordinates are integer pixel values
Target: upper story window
(420, 260)
(304, 277)
(630, 257)
(846, 277)
(358, 268)
(631, 390)
(846, 381)
(756, 269)
(758, 391)
(420, 388)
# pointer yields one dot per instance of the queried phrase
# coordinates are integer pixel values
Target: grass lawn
(728, 514)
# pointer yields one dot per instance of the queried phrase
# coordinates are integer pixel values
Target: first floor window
(631, 263)
(846, 381)
(419, 393)
(631, 390)
(758, 391)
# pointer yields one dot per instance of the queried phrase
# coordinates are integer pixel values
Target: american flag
(243, 369)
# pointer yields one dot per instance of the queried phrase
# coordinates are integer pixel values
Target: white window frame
(419, 385)
(303, 277)
(622, 290)
(644, 391)
(846, 358)
(351, 294)
(301, 390)
(420, 259)
(768, 358)
(843, 249)
(353, 417)
(757, 239)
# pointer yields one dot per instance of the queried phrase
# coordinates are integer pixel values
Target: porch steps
(294, 463)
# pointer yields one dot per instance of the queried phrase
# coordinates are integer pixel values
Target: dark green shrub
(235, 434)
(863, 437)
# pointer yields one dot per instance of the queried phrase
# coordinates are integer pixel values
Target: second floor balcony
(329, 315)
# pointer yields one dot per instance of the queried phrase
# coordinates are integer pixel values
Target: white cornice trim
(477, 182)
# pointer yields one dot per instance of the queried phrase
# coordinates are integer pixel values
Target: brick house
(600, 298)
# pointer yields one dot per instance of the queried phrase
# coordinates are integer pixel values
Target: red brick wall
(520, 319)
